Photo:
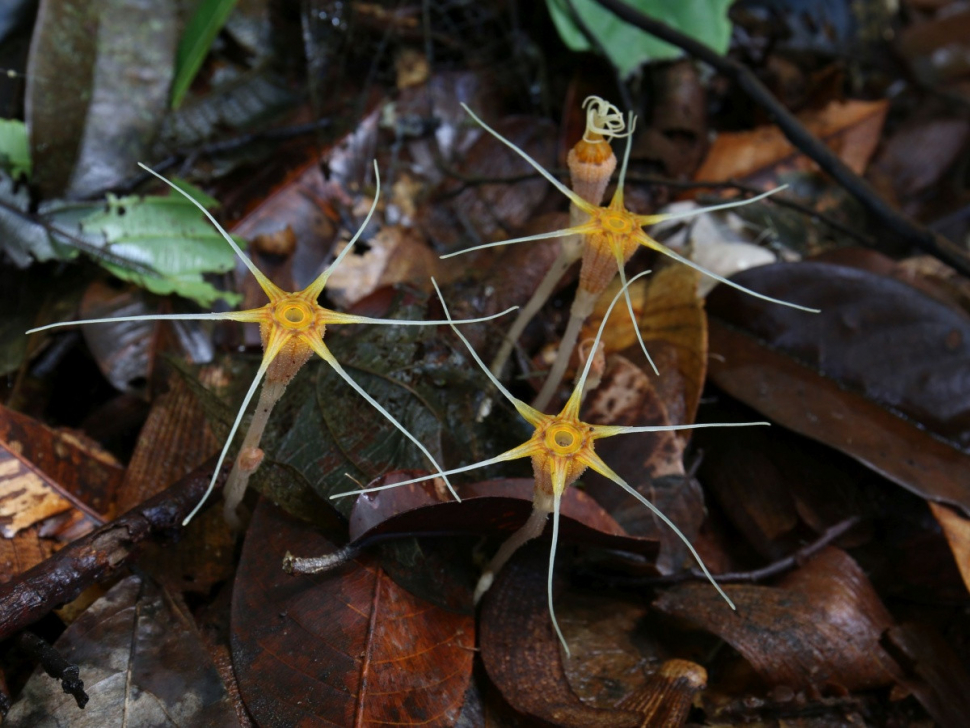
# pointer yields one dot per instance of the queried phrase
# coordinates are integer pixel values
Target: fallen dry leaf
(142, 663)
(818, 630)
(851, 128)
(522, 654)
(347, 647)
(956, 528)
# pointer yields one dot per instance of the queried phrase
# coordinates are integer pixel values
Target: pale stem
(532, 528)
(621, 180)
(601, 431)
(238, 480)
(552, 565)
(654, 219)
(528, 312)
(351, 319)
(272, 349)
(566, 346)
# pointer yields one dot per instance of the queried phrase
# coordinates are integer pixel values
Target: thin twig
(54, 665)
(99, 555)
(810, 145)
(744, 577)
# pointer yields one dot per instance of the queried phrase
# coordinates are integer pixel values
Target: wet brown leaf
(348, 647)
(174, 441)
(37, 516)
(522, 653)
(819, 629)
(878, 347)
(850, 128)
(142, 664)
(78, 464)
(931, 671)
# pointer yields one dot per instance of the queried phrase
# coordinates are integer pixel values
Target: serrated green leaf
(14, 151)
(629, 47)
(201, 30)
(166, 236)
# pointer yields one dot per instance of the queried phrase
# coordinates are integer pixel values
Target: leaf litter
(876, 606)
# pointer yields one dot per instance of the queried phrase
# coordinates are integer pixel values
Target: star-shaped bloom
(561, 449)
(292, 328)
(613, 233)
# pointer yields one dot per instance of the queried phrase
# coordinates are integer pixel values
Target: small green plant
(292, 328)
(561, 449)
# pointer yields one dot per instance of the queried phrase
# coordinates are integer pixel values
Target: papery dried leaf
(850, 128)
(76, 463)
(142, 664)
(522, 654)
(348, 647)
(956, 528)
(818, 629)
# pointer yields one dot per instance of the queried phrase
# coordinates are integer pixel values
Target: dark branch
(909, 230)
(54, 665)
(100, 555)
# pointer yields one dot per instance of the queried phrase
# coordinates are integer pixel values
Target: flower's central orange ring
(563, 438)
(616, 223)
(293, 314)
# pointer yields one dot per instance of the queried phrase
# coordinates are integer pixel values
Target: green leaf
(201, 30)
(629, 47)
(167, 237)
(14, 151)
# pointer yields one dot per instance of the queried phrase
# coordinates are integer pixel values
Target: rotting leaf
(522, 653)
(142, 663)
(818, 629)
(829, 377)
(667, 698)
(673, 325)
(931, 671)
(956, 528)
(348, 647)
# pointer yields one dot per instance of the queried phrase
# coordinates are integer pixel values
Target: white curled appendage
(603, 118)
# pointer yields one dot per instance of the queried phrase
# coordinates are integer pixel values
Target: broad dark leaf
(879, 347)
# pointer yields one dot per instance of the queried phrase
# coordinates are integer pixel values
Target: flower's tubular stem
(239, 475)
(529, 530)
(581, 309)
(528, 312)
